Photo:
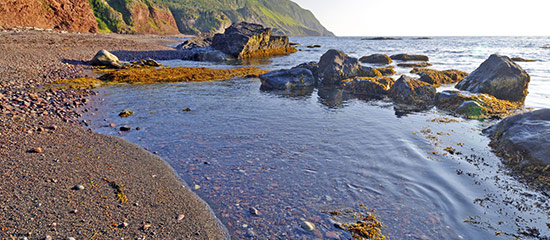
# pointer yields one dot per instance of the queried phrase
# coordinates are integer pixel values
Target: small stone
(125, 128)
(146, 227)
(75, 211)
(180, 217)
(123, 225)
(187, 110)
(54, 127)
(48, 237)
(112, 125)
(126, 113)
(254, 211)
(309, 226)
(37, 150)
(138, 128)
(71, 238)
(78, 187)
(197, 187)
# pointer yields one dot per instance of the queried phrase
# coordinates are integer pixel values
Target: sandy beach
(61, 180)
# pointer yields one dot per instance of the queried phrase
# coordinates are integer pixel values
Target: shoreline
(62, 180)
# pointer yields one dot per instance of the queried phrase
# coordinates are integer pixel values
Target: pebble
(125, 128)
(187, 110)
(308, 225)
(180, 217)
(126, 113)
(78, 187)
(37, 150)
(197, 187)
(112, 125)
(71, 238)
(48, 237)
(146, 227)
(254, 211)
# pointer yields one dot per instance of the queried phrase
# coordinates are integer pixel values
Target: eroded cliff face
(69, 15)
(136, 16)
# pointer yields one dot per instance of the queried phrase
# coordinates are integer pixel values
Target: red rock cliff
(70, 15)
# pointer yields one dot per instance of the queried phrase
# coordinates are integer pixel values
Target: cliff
(69, 15)
(201, 16)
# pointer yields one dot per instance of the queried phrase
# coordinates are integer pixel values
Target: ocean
(307, 157)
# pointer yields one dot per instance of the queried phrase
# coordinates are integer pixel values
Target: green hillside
(195, 16)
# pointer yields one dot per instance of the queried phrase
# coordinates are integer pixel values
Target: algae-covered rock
(386, 71)
(475, 106)
(105, 58)
(498, 76)
(335, 66)
(523, 139)
(288, 79)
(376, 58)
(436, 78)
(414, 65)
(412, 94)
(369, 87)
(407, 57)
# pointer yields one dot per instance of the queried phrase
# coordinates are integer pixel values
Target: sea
(266, 162)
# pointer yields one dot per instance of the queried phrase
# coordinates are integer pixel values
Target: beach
(61, 180)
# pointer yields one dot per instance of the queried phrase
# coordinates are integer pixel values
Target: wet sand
(126, 192)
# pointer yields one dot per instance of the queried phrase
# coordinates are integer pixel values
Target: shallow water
(296, 158)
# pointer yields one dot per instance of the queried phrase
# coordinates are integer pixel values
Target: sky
(432, 17)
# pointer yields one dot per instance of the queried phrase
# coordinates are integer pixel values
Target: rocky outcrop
(202, 40)
(523, 139)
(335, 66)
(288, 79)
(369, 87)
(474, 106)
(498, 76)
(386, 71)
(239, 41)
(134, 16)
(247, 40)
(376, 58)
(69, 15)
(412, 94)
(436, 78)
(407, 57)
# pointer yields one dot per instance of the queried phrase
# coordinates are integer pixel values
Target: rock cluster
(239, 41)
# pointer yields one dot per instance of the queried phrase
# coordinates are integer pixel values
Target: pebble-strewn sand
(44, 153)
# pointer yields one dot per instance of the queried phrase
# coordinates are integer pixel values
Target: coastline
(46, 153)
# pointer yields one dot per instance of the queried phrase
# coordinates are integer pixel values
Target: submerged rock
(288, 79)
(523, 139)
(412, 94)
(376, 58)
(202, 40)
(105, 58)
(414, 65)
(476, 106)
(519, 59)
(498, 76)
(369, 87)
(386, 71)
(407, 57)
(436, 78)
(311, 66)
(335, 66)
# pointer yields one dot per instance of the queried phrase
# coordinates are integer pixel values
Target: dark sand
(37, 198)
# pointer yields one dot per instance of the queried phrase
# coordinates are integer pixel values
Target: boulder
(369, 87)
(335, 66)
(412, 94)
(407, 57)
(202, 40)
(386, 71)
(105, 58)
(288, 79)
(436, 78)
(498, 76)
(474, 106)
(523, 139)
(414, 65)
(311, 66)
(248, 40)
(376, 58)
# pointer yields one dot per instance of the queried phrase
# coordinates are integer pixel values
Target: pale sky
(432, 17)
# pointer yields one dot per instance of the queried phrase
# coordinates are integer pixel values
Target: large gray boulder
(412, 94)
(105, 58)
(523, 139)
(288, 79)
(498, 76)
(335, 66)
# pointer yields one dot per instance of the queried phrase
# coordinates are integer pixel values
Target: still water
(296, 158)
